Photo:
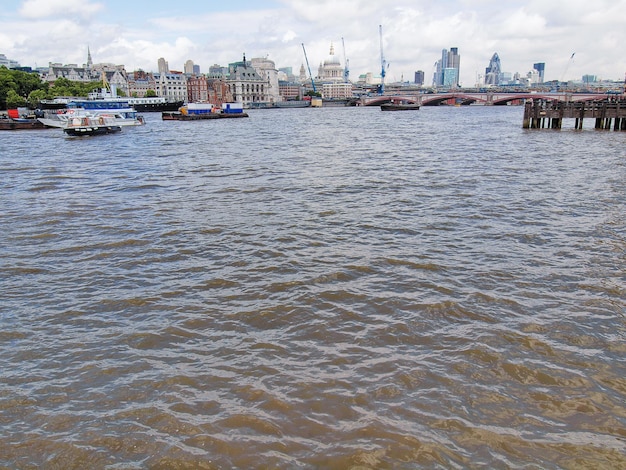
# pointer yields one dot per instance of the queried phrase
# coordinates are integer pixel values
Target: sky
(572, 37)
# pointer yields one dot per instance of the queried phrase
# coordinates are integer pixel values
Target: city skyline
(137, 34)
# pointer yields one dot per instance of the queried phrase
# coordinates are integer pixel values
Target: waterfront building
(208, 90)
(290, 90)
(197, 89)
(219, 92)
(336, 90)
(172, 86)
(266, 68)
(246, 85)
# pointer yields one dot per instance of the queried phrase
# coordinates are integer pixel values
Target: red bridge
(486, 98)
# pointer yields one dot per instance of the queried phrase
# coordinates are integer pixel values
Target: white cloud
(36, 9)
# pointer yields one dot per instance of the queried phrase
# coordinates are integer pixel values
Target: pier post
(526, 121)
(582, 116)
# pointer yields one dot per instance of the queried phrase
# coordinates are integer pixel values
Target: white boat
(100, 102)
(63, 117)
(91, 125)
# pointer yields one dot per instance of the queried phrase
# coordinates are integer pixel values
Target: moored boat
(154, 104)
(98, 103)
(13, 121)
(399, 106)
(201, 111)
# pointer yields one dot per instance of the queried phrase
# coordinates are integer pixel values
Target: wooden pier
(609, 113)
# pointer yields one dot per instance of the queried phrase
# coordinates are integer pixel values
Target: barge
(202, 111)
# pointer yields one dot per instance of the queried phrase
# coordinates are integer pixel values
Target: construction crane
(308, 67)
(383, 63)
(569, 62)
(346, 69)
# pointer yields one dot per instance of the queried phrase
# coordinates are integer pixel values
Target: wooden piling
(609, 113)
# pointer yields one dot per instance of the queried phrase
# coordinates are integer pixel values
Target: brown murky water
(316, 289)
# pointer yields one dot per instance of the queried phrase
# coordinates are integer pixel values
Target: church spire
(89, 61)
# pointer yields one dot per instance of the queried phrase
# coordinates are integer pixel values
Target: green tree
(14, 100)
(35, 96)
(22, 83)
(6, 83)
(150, 93)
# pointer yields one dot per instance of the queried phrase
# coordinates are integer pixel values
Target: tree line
(20, 89)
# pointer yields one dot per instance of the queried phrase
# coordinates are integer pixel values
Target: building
(286, 74)
(587, 79)
(267, 69)
(188, 68)
(540, 67)
(336, 90)
(171, 85)
(8, 63)
(197, 89)
(246, 85)
(443, 75)
(419, 78)
(163, 66)
(290, 90)
(139, 83)
(303, 77)
(219, 92)
(493, 70)
(331, 69)
(217, 71)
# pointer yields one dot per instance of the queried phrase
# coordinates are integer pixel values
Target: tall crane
(383, 63)
(308, 67)
(569, 62)
(346, 69)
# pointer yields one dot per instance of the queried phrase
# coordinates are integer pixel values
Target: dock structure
(609, 113)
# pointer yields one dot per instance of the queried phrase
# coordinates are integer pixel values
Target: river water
(325, 288)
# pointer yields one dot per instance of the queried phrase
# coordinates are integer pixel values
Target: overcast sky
(136, 33)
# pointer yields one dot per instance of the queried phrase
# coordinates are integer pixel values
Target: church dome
(332, 59)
